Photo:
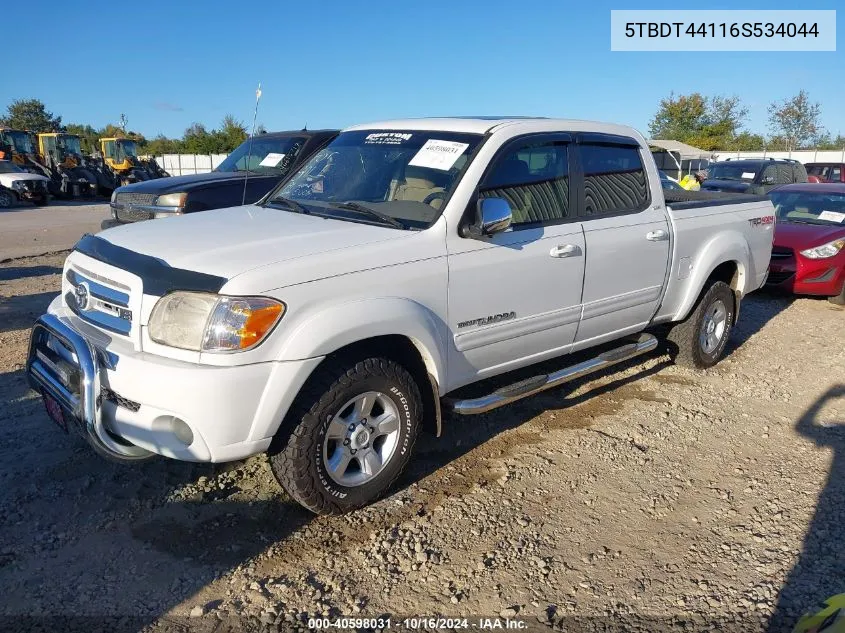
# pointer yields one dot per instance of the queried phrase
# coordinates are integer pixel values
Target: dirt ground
(649, 498)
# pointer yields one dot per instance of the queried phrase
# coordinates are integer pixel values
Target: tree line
(718, 123)
(707, 122)
(32, 115)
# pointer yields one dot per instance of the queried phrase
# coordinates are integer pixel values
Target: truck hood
(734, 186)
(178, 184)
(8, 179)
(228, 242)
(803, 236)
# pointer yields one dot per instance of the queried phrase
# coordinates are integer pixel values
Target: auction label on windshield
(272, 159)
(723, 30)
(438, 154)
(832, 216)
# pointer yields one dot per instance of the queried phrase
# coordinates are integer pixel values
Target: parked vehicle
(753, 175)
(826, 172)
(405, 260)
(262, 163)
(60, 155)
(808, 256)
(23, 185)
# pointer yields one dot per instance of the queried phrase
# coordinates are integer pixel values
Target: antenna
(251, 136)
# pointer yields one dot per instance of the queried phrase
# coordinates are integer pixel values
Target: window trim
(612, 140)
(468, 217)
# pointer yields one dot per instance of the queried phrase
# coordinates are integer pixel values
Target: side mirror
(495, 215)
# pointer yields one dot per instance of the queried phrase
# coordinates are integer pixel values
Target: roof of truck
(485, 124)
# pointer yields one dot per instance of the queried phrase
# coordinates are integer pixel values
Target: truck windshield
(71, 144)
(126, 148)
(727, 171)
(809, 208)
(403, 176)
(266, 156)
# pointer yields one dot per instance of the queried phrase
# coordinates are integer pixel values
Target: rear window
(614, 179)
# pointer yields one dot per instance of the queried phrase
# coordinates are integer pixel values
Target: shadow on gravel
(820, 569)
(20, 312)
(20, 272)
(754, 313)
(13, 385)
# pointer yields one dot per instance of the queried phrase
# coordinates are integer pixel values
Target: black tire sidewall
(372, 375)
(7, 200)
(718, 291)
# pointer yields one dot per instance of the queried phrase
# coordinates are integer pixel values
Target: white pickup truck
(329, 322)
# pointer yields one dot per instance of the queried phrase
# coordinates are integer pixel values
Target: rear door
(627, 238)
(515, 297)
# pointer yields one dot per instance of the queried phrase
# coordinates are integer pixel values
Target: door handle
(656, 236)
(565, 250)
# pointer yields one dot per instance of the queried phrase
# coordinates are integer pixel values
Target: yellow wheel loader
(121, 157)
(61, 155)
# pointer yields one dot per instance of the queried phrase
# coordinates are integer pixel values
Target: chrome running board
(642, 344)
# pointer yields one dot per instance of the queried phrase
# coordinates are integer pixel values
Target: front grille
(781, 252)
(116, 398)
(129, 214)
(99, 301)
(125, 204)
(126, 198)
(775, 278)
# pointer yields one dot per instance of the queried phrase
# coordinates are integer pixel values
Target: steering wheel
(435, 195)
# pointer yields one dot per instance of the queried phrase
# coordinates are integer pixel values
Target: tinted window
(771, 171)
(534, 179)
(784, 172)
(614, 179)
(835, 174)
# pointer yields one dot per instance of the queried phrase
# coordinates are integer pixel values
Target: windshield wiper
(354, 206)
(292, 205)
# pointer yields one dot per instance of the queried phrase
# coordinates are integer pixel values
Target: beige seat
(417, 185)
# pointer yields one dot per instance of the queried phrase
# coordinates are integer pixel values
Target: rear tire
(348, 435)
(700, 340)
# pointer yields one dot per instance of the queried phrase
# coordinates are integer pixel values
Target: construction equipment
(61, 155)
(19, 146)
(121, 157)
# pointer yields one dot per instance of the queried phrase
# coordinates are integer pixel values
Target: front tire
(700, 340)
(353, 430)
(7, 199)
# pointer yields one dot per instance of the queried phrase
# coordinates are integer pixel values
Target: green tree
(796, 121)
(231, 134)
(747, 142)
(31, 114)
(706, 122)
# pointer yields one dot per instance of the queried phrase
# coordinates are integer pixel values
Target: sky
(335, 63)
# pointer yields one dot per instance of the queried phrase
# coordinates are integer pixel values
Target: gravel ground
(652, 496)
(27, 230)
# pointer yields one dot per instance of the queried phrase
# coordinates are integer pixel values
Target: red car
(808, 255)
(825, 172)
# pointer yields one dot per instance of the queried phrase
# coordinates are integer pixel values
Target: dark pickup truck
(266, 163)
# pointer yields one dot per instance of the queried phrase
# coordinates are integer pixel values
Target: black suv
(266, 160)
(753, 175)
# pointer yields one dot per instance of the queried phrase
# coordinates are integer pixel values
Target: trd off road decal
(493, 318)
(766, 219)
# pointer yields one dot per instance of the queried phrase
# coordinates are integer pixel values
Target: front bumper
(130, 405)
(803, 276)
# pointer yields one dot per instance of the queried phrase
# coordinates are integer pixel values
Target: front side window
(614, 179)
(268, 156)
(835, 174)
(534, 179)
(396, 177)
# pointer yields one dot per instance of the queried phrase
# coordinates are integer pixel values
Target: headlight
(171, 200)
(825, 250)
(212, 323)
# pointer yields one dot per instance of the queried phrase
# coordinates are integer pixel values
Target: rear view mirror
(495, 215)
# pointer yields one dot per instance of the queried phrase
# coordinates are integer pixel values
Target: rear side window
(770, 173)
(836, 174)
(784, 172)
(799, 173)
(534, 179)
(614, 179)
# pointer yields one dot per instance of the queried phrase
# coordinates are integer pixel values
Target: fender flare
(726, 246)
(339, 325)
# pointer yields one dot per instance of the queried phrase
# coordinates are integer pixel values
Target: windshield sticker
(271, 160)
(832, 216)
(438, 154)
(387, 138)
(748, 174)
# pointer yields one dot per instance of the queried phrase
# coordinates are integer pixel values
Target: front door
(515, 297)
(627, 238)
